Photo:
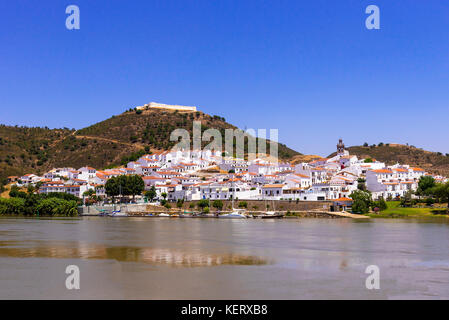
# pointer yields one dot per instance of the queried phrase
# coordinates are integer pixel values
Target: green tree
(406, 200)
(362, 201)
(12, 206)
(31, 189)
(202, 203)
(15, 192)
(112, 188)
(441, 191)
(361, 184)
(425, 185)
(359, 206)
(55, 206)
(151, 194)
(381, 204)
(89, 193)
(135, 185)
(218, 204)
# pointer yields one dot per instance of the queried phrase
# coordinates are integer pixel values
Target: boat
(187, 214)
(271, 215)
(183, 215)
(118, 213)
(236, 214)
(163, 215)
(103, 212)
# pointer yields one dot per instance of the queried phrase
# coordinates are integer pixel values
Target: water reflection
(175, 258)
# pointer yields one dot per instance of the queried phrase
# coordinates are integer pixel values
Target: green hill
(107, 143)
(433, 162)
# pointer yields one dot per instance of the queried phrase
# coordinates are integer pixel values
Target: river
(166, 258)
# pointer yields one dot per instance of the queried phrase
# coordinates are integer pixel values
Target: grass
(396, 211)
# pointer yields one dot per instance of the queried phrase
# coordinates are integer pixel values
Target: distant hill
(304, 158)
(107, 143)
(433, 162)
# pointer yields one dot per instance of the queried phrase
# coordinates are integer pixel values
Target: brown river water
(164, 258)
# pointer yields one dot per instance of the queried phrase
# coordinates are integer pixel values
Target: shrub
(202, 203)
(243, 204)
(218, 204)
(12, 206)
(381, 204)
(55, 206)
(429, 201)
(179, 203)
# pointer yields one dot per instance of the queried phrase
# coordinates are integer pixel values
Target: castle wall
(155, 105)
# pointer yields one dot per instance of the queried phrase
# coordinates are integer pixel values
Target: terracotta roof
(343, 199)
(382, 171)
(273, 186)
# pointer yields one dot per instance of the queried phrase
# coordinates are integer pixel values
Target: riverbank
(394, 210)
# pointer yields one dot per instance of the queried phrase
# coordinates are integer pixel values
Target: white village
(178, 175)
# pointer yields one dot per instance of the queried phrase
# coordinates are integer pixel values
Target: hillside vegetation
(433, 162)
(108, 143)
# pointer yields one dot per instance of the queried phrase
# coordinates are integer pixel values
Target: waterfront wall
(252, 206)
(260, 205)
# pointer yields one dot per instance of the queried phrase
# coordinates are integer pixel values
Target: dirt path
(135, 145)
(5, 194)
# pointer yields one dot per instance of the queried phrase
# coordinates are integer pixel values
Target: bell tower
(340, 147)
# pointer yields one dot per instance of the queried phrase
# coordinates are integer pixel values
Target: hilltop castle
(155, 105)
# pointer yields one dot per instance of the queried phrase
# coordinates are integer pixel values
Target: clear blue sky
(309, 68)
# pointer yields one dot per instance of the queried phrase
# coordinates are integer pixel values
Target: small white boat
(118, 214)
(163, 215)
(235, 214)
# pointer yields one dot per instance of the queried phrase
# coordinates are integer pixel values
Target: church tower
(340, 147)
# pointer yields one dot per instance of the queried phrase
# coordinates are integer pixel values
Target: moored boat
(272, 216)
(118, 214)
(235, 214)
(163, 215)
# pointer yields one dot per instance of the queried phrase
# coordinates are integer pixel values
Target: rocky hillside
(107, 143)
(434, 162)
